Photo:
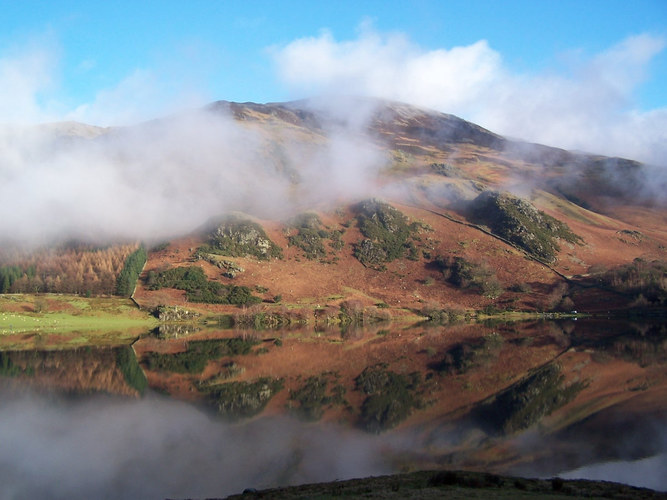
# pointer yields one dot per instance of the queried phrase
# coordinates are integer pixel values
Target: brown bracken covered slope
(435, 168)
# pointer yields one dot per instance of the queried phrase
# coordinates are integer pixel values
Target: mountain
(383, 202)
(451, 215)
(364, 262)
(455, 224)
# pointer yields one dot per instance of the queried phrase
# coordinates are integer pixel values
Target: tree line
(81, 269)
(128, 276)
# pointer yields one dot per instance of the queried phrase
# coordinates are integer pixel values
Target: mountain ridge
(430, 165)
(386, 269)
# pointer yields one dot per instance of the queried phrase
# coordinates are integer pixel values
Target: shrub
(353, 312)
(566, 304)
(639, 277)
(466, 274)
(198, 288)
(555, 297)
(436, 314)
(521, 288)
(198, 354)
(309, 235)
(336, 238)
(522, 224)
(260, 318)
(387, 234)
(237, 236)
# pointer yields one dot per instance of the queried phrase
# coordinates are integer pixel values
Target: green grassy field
(54, 319)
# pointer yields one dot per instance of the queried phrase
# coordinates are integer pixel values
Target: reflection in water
(647, 473)
(85, 370)
(598, 446)
(104, 447)
(109, 445)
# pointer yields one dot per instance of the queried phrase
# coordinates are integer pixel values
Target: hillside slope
(364, 262)
(564, 216)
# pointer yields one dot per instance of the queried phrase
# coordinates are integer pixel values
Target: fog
(165, 178)
(607, 446)
(157, 448)
(154, 447)
(646, 473)
(587, 104)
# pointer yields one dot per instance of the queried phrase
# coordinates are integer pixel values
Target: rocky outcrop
(520, 223)
(236, 236)
(175, 314)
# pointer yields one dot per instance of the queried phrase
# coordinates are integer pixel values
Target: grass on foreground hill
(67, 314)
(456, 485)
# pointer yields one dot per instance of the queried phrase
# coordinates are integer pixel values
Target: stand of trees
(198, 288)
(127, 278)
(79, 269)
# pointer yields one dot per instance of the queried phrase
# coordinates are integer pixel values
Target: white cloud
(166, 177)
(141, 96)
(390, 67)
(156, 179)
(589, 108)
(31, 90)
(26, 79)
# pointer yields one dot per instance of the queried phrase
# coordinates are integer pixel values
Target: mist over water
(157, 448)
(637, 457)
(646, 473)
(76, 445)
(109, 448)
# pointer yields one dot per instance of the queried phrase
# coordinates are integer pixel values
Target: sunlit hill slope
(440, 212)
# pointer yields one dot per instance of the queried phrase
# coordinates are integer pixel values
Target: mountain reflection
(533, 398)
(85, 370)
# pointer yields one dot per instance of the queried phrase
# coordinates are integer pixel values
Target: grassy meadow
(52, 320)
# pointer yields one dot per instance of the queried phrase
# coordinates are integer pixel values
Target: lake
(104, 422)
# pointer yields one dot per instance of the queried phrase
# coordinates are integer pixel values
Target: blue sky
(578, 74)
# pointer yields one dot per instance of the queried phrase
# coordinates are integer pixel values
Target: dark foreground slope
(456, 485)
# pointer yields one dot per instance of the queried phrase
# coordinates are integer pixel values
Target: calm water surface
(71, 426)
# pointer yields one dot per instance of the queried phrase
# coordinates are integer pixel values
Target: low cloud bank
(166, 178)
(104, 447)
(646, 473)
(156, 448)
(589, 106)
